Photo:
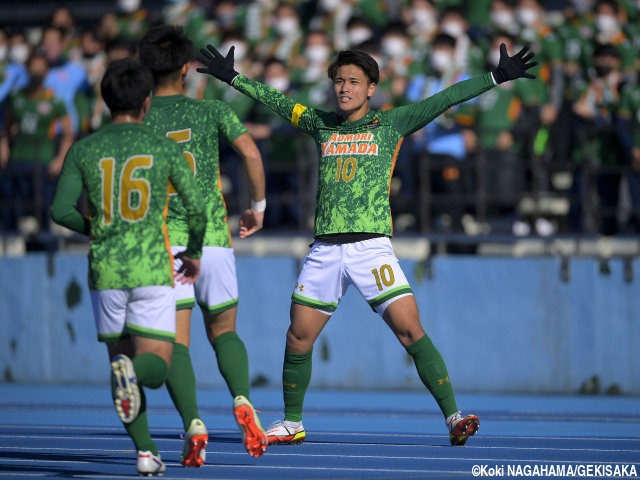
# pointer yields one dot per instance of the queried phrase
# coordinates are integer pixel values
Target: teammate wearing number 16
(125, 169)
(357, 148)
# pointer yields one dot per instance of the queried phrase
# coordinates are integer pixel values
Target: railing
(561, 191)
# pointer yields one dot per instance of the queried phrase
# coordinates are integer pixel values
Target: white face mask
(527, 16)
(286, 26)
(606, 23)
(329, 5)
(424, 19)
(441, 61)
(239, 53)
(502, 19)
(279, 83)
(454, 29)
(358, 35)
(317, 53)
(19, 53)
(493, 57)
(129, 6)
(4, 51)
(394, 47)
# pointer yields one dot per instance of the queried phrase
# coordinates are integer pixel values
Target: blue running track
(72, 432)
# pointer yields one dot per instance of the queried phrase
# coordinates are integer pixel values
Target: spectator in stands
(65, 77)
(311, 71)
(628, 127)
(33, 156)
(358, 32)
(498, 118)
(280, 146)
(595, 107)
(468, 56)
(286, 36)
(421, 18)
(444, 141)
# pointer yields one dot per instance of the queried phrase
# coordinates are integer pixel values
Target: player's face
(352, 88)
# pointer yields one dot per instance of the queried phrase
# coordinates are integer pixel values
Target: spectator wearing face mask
(599, 144)
(358, 32)
(13, 72)
(547, 45)
(311, 71)
(608, 29)
(32, 153)
(281, 148)
(192, 18)
(286, 36)
(467, 56)
(498, 122)
(421, 18)
(131, 21)
(446, 141)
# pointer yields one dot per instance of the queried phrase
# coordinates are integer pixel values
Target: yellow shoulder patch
(298, 110)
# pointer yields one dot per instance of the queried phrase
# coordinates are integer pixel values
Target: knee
(297, 343)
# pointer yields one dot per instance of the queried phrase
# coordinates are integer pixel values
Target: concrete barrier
(530, 325)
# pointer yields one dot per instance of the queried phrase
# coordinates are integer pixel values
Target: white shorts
(217, 287)
(370, 265)
(148, 312)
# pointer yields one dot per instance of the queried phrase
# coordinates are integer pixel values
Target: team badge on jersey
(374, 124)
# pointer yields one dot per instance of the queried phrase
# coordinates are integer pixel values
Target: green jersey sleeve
(411, 118)
(63, 208)
(307, 119)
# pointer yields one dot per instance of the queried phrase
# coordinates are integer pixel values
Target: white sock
(290, 424)
(451, 418)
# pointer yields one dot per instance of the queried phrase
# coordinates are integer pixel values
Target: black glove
(510, 68)
(216, 65)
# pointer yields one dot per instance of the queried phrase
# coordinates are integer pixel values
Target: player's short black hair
(360, 59)
(164, 50)
(125, 86)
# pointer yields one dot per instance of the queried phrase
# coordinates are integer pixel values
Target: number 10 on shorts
(384, 276)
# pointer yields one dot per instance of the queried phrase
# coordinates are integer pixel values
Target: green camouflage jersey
(356, 159)
(197, 126)
(125, 169)
(35, 117)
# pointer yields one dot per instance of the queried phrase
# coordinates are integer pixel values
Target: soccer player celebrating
(125, 169)
(358, 148)
(198, 126)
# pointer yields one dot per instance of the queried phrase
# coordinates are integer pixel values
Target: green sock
(181, 384)
(433, 373)
(138, 430)
(233, 363)
(151, 370)
(296, 375)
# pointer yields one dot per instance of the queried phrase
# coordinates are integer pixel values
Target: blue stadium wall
(502, 325)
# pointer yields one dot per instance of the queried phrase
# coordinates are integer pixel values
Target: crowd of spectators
(572, 135)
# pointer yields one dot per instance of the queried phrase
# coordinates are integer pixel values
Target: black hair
(125, 86)
(273, 60)
(165, 49)
(360, 59)
(605, 50)
(119, 43)
(444, 39)
(397, 28)
(612, 3)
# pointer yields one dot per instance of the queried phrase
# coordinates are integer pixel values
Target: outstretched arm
(222, 68)
(411, 118)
